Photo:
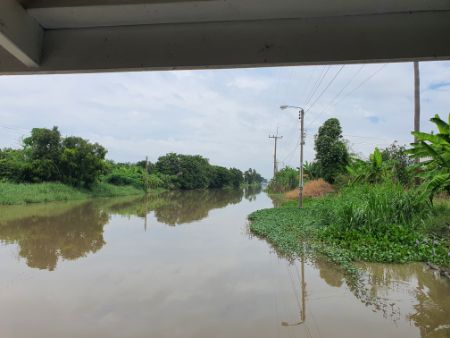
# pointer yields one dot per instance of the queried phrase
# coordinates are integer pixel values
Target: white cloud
(225, 115)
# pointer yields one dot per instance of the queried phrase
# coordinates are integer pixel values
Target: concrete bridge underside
(69, 36)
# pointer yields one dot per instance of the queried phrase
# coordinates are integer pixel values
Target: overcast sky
(224, 115)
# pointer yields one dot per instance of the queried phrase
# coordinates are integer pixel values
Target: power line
(354, 89)
(325, 89)
(342, 89)
(317, 84)
(364, 81)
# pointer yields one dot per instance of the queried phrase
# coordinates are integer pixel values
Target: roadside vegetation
(388, 208)
(50, 167)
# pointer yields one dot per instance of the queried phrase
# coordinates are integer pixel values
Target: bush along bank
(50, 167)
(374, 223)
(24, 193)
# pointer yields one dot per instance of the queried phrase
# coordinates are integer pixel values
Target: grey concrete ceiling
(107, 35)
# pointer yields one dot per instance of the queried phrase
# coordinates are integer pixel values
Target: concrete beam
(329, 40)
(61, 14)
(20, 34)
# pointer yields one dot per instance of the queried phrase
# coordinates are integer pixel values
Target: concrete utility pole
(416, 98)
(275, 163)
(301, 116)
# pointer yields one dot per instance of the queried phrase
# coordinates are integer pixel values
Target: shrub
(314, 188)
(286, 179)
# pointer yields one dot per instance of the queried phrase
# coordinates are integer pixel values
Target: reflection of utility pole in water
(302, 295)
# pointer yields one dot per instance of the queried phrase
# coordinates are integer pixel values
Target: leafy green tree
(190, 171)
(399, 162)
(331, 151)
(286, 179)
(252, 177)
(43, 150)
(81, 162)
(126, 174)
(236, 177)
(12, 165)
(220, 177)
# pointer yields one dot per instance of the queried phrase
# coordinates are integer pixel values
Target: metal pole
(301, 116)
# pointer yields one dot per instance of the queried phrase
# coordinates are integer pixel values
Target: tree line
(426, 162)
(47, 156)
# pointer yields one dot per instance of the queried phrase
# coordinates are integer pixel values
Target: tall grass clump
(375, 223)
(12, 193)
(373, 207)
(382, 223)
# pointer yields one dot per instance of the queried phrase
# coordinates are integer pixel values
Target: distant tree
(220, 177)
(43, 150)
(252, 177)
(237, 177)
(284, 180)
(81, 162)
(190, 171)
(331, 151)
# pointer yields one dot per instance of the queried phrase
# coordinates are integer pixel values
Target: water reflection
(44, 239)
(207, 279)
(251, 192)
(431, 311)
(47, 233)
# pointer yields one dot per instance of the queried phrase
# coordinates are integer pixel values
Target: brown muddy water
(184, 265)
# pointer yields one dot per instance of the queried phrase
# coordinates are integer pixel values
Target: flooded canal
(184, 265)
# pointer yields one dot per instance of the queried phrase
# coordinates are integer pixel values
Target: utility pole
(416, 98)
(275, 163)
(301, 116)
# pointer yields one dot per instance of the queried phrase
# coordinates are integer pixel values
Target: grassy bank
(11, 193)
(380, 223)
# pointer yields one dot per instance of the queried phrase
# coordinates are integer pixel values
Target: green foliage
(251, 177)
(380, 223)
(400, 164)
(48, 157)
(43, 151)
(81, 163)
(236, 177)
(285, 180)
(311, 170)
(191, 172)
(13, 193)
(331, 151)
(125, 174)
(434, 150)
(391, 164)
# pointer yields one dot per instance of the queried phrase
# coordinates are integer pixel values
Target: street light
(301, 117)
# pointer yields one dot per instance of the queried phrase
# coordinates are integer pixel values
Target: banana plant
(433, 152)
(372, 171)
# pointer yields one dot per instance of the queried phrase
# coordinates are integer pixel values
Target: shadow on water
(48, 232)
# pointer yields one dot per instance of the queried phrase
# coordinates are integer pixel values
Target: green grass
(12, 193)
(382, 223)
